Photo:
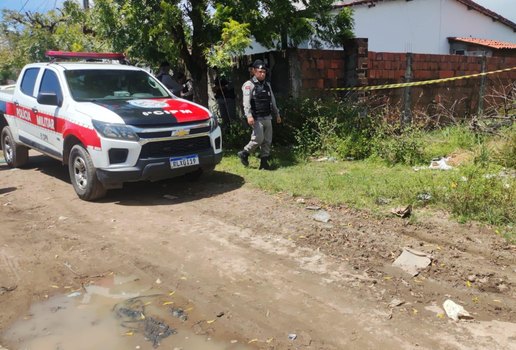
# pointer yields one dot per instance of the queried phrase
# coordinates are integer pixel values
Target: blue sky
(506, 8)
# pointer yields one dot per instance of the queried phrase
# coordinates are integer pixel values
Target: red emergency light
(86, 55)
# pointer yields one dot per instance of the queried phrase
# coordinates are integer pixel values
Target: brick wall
(302, 73)
(461, 95)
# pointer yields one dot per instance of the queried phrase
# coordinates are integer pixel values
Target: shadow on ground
(171, 191)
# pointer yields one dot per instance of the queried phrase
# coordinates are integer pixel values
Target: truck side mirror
(48, 98)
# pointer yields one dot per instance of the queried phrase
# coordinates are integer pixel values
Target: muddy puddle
(115, 313)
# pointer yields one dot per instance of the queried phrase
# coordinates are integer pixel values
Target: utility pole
(86, 4)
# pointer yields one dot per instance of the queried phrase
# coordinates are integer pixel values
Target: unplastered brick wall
(307, 72)
(460, 95)
(320, 69)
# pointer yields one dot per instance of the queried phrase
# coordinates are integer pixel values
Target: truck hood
(148, 112)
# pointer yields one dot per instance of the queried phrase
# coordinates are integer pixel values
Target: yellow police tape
(418, 83)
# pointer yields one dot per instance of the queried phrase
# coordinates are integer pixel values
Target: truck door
(24, 103)
(47, 115)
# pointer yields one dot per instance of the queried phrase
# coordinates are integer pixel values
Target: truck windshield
(113, 84)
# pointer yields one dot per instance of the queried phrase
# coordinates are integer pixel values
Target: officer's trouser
(261, 137)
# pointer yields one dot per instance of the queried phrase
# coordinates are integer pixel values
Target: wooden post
(482, 89)
(407, 113)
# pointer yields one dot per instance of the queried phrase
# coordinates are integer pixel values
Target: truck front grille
(158, 134)
(175, 147)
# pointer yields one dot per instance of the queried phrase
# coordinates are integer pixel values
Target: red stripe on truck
(87, 136)
(185, 111)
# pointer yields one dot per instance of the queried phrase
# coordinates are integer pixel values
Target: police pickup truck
(110, 123)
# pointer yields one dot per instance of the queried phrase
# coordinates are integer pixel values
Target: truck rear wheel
(83, 175)
(15, 155)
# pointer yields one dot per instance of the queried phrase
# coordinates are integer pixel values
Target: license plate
(180, 162)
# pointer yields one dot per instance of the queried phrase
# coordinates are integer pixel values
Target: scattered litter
(396, 302)
(313, 207)
(350, 158)
(455, 311)
(56, 309)
(7, 289)
(412, 261)
(326, 159)
(132, 315)
(155, 330)
(440, 164)
(425, 197)
(220, 314)
(62, 218)
(292, 336)
(382, 201)
(170, 197)
(436, 164)
(234, 341)
(322, 216)
(179, 313)
(402, 212)
(158, 281)
(74, 294)
(300, 200)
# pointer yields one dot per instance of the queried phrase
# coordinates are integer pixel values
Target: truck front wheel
(83, 175)
(15, 155)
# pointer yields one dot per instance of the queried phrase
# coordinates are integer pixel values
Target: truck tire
(15, 155)
(83, 175)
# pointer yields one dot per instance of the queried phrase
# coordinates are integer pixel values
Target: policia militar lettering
(259, 107)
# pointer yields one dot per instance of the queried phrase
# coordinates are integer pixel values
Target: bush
(328, 126)
(444, 141)
(398, 145)
(486, 194)
(504, 152)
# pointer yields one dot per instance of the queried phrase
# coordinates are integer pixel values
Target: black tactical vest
(261, 100)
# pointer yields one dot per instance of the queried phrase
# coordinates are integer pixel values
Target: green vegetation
(341, 157)
(193, 35)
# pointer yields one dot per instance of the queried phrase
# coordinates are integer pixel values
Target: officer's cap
(259, 64)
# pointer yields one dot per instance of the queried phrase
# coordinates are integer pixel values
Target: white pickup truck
(110, 123)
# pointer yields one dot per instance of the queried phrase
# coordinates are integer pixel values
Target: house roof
(471, 5)
(494, 44)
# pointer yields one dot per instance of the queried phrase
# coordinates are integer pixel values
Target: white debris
(412, 261)
(455, 311)
(440, 164)
(322, 216)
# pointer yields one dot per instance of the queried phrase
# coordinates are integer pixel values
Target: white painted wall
(423, 26)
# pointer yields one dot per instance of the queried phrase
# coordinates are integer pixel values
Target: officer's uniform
(259, 101)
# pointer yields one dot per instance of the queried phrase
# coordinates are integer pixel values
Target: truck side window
(28, 81)
(50, 83)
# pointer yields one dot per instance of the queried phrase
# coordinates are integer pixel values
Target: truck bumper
(154, 169)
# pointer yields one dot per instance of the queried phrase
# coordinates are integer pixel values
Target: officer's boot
(244, 157)
(264, 163)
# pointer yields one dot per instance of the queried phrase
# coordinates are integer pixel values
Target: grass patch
(469, 192)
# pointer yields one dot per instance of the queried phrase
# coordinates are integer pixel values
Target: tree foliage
(25, 37)
(194, 34)
(203, 33)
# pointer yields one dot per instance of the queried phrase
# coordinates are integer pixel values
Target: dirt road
(256, 267)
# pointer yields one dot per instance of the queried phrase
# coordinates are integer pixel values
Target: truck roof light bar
(86, 55)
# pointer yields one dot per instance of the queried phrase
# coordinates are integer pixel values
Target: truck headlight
(115, 131)
(214, 122)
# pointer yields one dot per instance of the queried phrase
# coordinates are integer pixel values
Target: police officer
(259, 107)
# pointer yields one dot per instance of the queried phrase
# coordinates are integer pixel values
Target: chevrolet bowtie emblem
(180, 132)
